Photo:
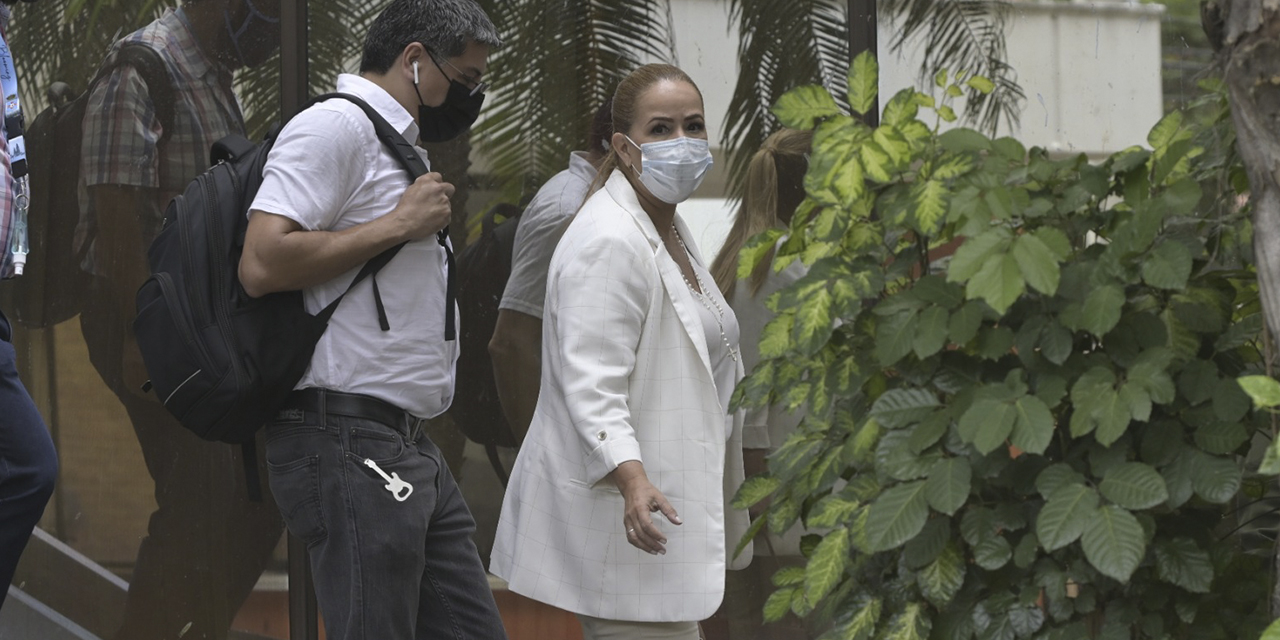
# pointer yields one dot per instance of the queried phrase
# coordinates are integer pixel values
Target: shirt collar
(187, 53)
(581, 167)
(382, 102)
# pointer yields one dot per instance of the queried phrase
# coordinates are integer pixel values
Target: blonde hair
(773, 189)
(625, 98)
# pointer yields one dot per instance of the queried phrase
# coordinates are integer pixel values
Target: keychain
(398, 488)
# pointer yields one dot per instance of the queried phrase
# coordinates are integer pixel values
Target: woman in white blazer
(640, 357)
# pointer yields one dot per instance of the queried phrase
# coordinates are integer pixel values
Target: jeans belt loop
(416, 426)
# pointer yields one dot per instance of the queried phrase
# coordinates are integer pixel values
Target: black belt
(354, 405)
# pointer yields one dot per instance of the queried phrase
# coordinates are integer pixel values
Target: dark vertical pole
(303, 617)
(293, 56)
(862, 37)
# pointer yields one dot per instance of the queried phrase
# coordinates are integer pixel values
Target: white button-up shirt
(328, 171)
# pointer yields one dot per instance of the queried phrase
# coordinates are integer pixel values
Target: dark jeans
(384, 569)
(206, 543)
(28, 463)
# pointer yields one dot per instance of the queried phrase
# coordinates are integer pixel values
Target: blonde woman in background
(618, 505)
(773, 189)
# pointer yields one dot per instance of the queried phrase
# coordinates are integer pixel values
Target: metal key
(398, 488)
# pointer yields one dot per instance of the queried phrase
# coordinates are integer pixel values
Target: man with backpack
(388, 533)
(28, 462)
(163, 98)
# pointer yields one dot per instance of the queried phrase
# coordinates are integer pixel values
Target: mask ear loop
(633, 143)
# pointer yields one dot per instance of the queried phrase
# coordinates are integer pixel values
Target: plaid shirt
(8, 205)
(122, 130)
(8, 199)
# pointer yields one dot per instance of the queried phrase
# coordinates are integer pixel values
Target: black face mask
(455, 115)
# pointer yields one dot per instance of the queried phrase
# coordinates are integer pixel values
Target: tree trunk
(1246, 36)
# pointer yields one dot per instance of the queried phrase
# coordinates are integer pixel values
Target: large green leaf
(931, 334)
(937, 290)
(1039, 268)
(974, 253)
(947, 488)
(1181, 562)
(864, 82)
(912, 624)
(999, 282)
(992, 553)
(942, 579)
(898, 408)
(930, 205)
(1263, 390)
(1221, 437)
(1064, 515)
(1214, 478)
(1056, 343)
(923, 549)
(1033, 430)
(1272, 632)
(814, 323)
(963, 139)
(826, 565)
(1134, 485)
(755, 489)
(1167, 266)
(987, 424)
(830, 511)
(1102, 309)
(1113, 542)
(803, 107)
(895, 337)
(897, 516)
(964, 322)
(1057, 475)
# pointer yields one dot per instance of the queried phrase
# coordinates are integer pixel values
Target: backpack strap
(407, 156)
(155, 73)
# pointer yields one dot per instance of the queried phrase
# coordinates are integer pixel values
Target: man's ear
(415, 52)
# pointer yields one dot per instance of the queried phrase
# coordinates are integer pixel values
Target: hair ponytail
(761, 208)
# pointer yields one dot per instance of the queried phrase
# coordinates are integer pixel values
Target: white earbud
(415, 72)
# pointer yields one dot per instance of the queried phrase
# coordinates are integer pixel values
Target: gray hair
(444, 26)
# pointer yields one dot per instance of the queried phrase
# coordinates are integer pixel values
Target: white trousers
(599, 629)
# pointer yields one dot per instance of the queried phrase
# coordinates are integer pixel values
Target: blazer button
(602, 436)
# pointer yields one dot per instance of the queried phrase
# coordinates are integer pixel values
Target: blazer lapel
(681, 297)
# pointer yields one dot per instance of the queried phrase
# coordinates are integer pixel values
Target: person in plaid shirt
(28, 462)
(206, 543)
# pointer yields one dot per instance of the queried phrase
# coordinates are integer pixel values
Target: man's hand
(424, 208)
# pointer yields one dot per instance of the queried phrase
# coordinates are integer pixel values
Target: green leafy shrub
(1038, 436)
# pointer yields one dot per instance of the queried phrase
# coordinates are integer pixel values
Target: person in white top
(773, 189)
(639, 360)
(388, 533)
(516, 346)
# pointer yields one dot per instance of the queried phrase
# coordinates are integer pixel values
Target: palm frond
(560, 61)
(783, 46)
(65, 40)
(968, 36)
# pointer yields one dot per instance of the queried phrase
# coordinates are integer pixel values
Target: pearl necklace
(700, 293)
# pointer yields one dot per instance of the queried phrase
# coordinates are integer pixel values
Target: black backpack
(221, 362)
(54, 285)
(483, 269)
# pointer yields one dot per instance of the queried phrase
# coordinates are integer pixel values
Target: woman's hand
(642, 498)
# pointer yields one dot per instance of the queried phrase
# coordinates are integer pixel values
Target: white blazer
(625, 376)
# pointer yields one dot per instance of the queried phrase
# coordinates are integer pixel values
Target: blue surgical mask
(673, 169)
(257, 37)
